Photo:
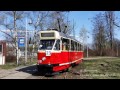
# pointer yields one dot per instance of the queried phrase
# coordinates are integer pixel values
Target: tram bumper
(45, 67)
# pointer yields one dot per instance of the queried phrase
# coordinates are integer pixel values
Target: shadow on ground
(42, 73)
(30, 69)
(34, 72)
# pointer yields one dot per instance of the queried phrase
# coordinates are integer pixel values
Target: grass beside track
(108, 68)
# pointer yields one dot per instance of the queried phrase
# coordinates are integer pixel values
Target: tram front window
(46, 44)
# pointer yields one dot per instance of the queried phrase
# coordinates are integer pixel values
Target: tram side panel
(75, 57)
(72, 56)
(79, 57)
(64, 62)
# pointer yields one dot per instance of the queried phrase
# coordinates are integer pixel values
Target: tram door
(1, 54)
(65, 50)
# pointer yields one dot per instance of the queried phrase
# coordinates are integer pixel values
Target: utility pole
(87, 48)
(26, 43)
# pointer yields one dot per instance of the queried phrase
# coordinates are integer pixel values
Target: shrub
(11, 58)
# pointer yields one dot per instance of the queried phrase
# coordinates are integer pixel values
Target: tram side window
(68, 45)
(65, 44)
(80, 47)
(57, 45)
(75, 46)
(72, 45)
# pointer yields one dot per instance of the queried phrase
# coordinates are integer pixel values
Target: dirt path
(17, 73)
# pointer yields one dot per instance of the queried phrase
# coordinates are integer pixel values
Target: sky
(82, 18)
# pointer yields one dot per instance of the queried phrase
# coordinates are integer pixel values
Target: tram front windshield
(46, 44)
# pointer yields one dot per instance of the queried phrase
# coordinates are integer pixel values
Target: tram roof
(63, 35)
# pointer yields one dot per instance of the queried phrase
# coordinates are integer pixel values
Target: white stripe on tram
(68, 62)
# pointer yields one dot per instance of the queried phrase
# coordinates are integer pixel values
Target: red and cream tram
(57, 51)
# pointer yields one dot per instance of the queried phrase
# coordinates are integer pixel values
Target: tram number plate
(48, 52)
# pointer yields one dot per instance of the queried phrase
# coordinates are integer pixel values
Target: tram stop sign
(21, 42)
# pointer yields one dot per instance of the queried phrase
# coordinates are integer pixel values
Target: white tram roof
(58, 35)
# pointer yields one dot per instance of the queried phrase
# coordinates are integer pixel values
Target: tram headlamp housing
(40, 61)
(44, 58)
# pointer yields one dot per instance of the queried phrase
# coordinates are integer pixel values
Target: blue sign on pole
(21, 42)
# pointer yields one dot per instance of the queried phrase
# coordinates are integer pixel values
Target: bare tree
(99, 34)
(10, 22)
(109, 19)
(38, 19)
(116, 47)
(37, 22)
(59, 20)
(83, 36)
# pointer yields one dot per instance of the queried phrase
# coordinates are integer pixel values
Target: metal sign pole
(26, 43)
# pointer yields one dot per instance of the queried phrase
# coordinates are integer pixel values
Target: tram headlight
(44, 58)
(40, 61)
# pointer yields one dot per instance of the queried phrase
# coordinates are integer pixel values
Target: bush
(11, 58)
(90, 53)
